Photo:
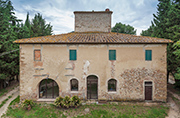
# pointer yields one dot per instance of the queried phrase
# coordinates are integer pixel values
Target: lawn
(119, 110)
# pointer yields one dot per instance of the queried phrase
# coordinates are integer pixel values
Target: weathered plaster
(129, 69)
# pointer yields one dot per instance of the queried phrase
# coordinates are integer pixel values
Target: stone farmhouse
(93, 63)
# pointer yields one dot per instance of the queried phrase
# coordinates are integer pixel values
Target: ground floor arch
(48, 88)
(92, 87)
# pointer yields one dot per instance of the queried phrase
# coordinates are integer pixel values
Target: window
(72, 54)
(112, 54)
(148, 55)
(37, 55)
(74, 85)
(48, 88)
(112, 85)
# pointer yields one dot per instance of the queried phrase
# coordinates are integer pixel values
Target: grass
(3, 91)
(95, 111)
(16, 100)
(4, 101)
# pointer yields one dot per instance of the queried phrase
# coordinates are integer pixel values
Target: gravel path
(14, 93)
(173, 110)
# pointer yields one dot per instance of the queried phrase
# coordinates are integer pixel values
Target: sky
(59, 13)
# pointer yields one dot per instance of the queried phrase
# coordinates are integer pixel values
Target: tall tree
(39, 26)
(149, 31)
(8, 61)
(123, 28)
(166, 25)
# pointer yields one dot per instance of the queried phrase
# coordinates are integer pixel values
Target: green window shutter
(148, 55)
(112, 54)
(72, 54)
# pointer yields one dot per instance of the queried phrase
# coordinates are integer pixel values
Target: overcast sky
(137, 13)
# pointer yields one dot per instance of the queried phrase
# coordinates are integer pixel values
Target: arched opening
(112, 85)
(74, 84)
(48, 88)
(92, 87)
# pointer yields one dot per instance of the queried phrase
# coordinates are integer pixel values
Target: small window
(148, 55)
(112, 85)
(37, 55)
(72, 54)
(74, 85)
(112, 54)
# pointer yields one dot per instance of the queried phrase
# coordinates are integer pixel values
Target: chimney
(92, 21)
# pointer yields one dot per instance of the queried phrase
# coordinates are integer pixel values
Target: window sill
(74, 92)
(46, 100)
(112, 91)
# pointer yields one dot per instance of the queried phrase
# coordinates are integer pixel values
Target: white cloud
(137, 13)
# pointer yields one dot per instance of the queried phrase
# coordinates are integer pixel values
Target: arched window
(112, 85)
(48, 88)
(74, 84)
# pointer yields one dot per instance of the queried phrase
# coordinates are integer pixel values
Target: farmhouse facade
(93, 63)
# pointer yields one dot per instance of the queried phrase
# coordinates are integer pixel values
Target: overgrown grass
(16, 100)
(4, 101)
(3, 91)
(95, 111)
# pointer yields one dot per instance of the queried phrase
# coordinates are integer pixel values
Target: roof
(93, 38)
(93, 12)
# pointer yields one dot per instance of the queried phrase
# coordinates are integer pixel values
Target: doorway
(148, 90)
(92, 87)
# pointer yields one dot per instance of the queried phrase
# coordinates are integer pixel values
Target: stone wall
(129, 69)
(93, 21)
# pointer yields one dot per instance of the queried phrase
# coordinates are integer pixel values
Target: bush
(67, 102)
(58, 102)
(28, 104)
(75, 101)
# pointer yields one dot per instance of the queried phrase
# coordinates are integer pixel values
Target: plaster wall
(129, 69)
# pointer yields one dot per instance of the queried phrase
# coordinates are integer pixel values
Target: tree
(123, 28)
(39, 26)
(166, 25)
(8, 61)
(149, 31)
(177, 53)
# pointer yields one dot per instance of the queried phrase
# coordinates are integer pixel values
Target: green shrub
(75, 101)
(58, 102)
(28, 104)
(67, 102)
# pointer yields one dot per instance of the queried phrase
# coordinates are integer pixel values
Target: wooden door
(148, 90)
(92, 87)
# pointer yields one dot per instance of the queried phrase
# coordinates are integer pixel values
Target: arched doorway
(48, 88)
(92, 87)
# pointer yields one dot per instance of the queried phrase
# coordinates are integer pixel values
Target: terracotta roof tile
(93, 37)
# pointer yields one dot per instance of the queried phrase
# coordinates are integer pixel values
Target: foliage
(4, 101)
(95, 111)
(58, 102)
(27, 103)
(166, 25)
(177, 53)
(67, 102)
(123, 28)
(3, 91)
(9, 62)
(10, 30)
(148, 32)
(75, 101)
(16, 100)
